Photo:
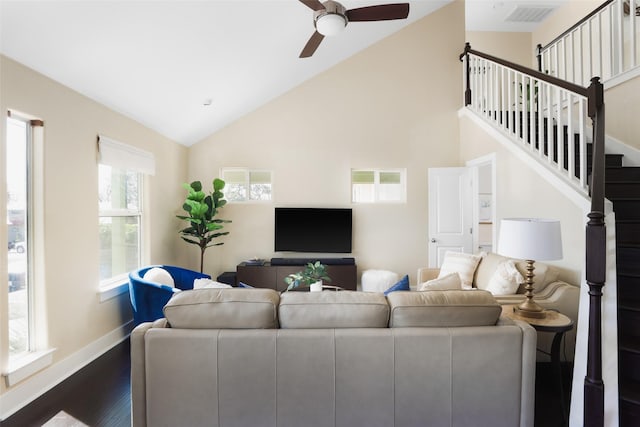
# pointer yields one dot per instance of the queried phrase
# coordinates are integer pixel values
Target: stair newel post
(595, 263)
(539, 56)
(465, 56)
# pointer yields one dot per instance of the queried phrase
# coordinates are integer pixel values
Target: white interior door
(450, 213)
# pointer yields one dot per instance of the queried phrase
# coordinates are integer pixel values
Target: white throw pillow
(463, 264)
(505, 279)
(208, 283)
(159, 275)
(446, 283)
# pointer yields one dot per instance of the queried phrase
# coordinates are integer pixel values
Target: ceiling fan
(330, 17)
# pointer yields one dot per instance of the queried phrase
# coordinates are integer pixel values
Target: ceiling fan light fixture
(330, 24)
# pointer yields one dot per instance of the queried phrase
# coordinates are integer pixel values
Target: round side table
(554, 322)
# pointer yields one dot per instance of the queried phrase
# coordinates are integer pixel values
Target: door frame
(473, 165)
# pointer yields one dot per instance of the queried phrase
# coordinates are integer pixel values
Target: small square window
(243, 185)
(378, 186)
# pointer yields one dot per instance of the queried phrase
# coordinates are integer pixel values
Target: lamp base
(530, 309)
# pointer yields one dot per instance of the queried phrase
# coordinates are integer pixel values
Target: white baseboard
(19, 396)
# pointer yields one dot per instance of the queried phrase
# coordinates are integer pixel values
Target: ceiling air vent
(523, 13)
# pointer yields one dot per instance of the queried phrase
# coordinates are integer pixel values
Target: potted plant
(313, 275)
(202, 208)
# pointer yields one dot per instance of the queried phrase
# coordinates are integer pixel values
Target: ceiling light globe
(330, 24)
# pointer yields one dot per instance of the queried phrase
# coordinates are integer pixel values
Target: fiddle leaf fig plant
(311, 274)
(202, 209)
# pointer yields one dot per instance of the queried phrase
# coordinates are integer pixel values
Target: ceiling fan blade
(311, 45)
(313, 4)
(383, 12)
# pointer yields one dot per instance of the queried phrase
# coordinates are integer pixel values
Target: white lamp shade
(330, 24)
(530, 239)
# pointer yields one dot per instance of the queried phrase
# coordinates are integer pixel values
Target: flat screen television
(313, 230)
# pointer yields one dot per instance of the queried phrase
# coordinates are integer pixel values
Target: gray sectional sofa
(253, 357)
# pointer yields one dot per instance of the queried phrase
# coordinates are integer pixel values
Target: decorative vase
(316, 287)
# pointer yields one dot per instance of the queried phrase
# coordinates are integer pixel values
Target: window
(244, 185)
(378, 185)
(119, 195)
(21, 169)
(120, 201)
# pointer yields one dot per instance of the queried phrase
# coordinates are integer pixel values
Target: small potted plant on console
(313, 275)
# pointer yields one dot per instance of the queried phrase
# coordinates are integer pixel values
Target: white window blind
(124, 156)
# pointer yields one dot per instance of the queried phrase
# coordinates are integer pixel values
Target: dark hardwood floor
(99, 395)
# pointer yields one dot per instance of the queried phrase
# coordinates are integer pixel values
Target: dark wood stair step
(629, 324)
(628, 367)
(614, 189)
(628, 260)
(624, 173)
(629, 404)
(627, 232)
(628, 288)
(626, 208)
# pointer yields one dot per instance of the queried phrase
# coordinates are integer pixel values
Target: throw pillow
(505, 279)
(159, 275)
(402, 285)
(463, 264)
(208, 283)
(446, 283)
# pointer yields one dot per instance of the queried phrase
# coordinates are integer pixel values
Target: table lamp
(530, 239)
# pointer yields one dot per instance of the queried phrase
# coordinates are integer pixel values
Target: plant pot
(316, 287)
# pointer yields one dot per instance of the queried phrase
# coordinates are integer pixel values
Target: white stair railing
(544, 115)
(605, 43)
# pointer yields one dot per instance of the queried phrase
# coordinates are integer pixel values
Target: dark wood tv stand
(272, 276)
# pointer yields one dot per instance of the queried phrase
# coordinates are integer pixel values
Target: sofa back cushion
(543, 274)
(342, 309)
(213, 308)
(443, 309)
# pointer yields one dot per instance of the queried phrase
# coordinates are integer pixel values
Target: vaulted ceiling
(188, 68)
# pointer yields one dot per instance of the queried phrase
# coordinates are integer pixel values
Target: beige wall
(391, 106)
(514, 47)
(623, 111)
(520, 192)
(74, 315)
(561, 20)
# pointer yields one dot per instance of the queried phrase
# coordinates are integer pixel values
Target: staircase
(622, 187)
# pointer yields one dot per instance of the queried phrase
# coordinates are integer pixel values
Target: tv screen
(313, 230)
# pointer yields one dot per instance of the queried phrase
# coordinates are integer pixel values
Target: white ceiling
(160, 61)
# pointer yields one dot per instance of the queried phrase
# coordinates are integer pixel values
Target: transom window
(243, 185)
(378, 185)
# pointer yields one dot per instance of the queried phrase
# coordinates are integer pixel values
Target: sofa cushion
(443, 309)
(463, 264)
(401, 285)
(213, 308)
(159, 275)
(544, 274)
(506, 279)
(447, 283)
(341, 309)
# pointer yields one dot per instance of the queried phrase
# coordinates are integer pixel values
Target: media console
(271, 274)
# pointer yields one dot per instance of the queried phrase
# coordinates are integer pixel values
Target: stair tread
(630, 392)
(631, 346)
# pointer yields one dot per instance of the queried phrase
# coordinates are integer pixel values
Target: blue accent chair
(148, 298)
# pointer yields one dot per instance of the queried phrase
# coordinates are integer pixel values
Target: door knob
(433, 240)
